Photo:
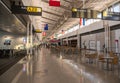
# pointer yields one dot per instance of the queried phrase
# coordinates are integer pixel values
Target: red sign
(80, 21)
(43, 33)
(54, 3)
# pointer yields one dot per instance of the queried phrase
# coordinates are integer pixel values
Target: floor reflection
(53, 67)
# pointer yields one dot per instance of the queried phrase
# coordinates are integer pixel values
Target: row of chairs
(100, 59)
(112, 62)
(91, 57)
(70, 50)
(67, 51)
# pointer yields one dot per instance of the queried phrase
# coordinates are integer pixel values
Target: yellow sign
(34, 9)
(38, 31)
(105, 13)
(74, 9)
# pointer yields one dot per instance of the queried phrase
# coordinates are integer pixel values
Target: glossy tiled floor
(45, 67)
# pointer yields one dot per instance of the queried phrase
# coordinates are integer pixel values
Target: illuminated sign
(29, 10)
(38, 31)
(84, 13)
(108, 15)
(34, 9)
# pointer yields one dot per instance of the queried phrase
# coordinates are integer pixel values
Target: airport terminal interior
(59, 41)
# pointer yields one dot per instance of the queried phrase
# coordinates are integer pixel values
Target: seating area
(110, 60)
(105, 62)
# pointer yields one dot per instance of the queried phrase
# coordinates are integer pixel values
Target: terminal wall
(15, 40)
(89, 35)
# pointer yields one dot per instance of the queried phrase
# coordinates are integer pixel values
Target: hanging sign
(46, 27)
(54, 3)
(82, 21)
(109, 15)
(43, 33)
(29, 10)
(84, 13)
(38, 31)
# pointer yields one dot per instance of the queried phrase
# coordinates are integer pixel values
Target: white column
(107, 35)
(27, 45)
(109, 38)
(78, 37)
(31, 38)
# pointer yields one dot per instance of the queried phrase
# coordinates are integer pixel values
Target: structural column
(61, 41)
(78, 40)
(27, 45)
(67, 41)
(31, 38)
(107, 36)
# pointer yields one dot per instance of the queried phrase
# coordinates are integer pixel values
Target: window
(99, 15)
(116, 8)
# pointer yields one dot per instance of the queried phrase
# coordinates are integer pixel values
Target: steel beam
(68, 1)
(48, 23)
(49, 19)
(52, 13)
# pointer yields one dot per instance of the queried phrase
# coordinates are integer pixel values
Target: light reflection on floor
(45, 67)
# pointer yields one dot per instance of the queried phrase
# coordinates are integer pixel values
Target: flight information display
(84, 13)
(29, 10)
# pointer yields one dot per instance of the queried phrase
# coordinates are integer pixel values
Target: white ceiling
(55, 16)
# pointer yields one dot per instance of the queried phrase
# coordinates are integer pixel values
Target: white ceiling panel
(54, 16)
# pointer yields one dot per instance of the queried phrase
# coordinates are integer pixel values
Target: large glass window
(99, 15)
(116, 8)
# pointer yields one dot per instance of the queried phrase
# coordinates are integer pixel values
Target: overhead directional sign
(84, 13)
(108, 15)
(29, 10)
(38, 31)
(93, 14)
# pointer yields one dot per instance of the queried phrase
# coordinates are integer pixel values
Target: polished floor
(46, 67)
